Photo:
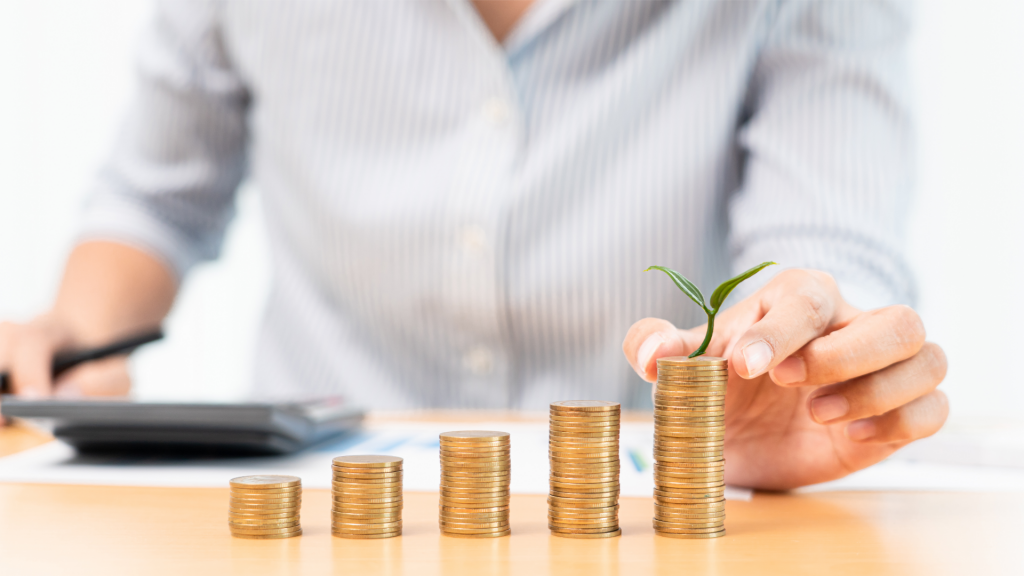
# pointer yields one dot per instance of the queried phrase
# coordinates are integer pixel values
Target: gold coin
(662, 524)
(494, 535)
(573, 428)
(367, 536)
(585, 447)
(598, 530)
(473, 510)
(268, 536)
(262, 501)
(562, 514)
(266, 492)
(691, 402)
(669, 514)
(695, 361)
(676, 468)
(248, 516)
(584, 426)
(254, 525)
(472, 473)
(447, 513)
(378, 472)
(590, 527)
(475, 436)
(456, 487)
(582, 420)
(261, 509)
(367, 461)
(350, 500)
(375, 519)
(601, 535)
(596, 487)
(344, 524)
(464, 517)
(668, 500)
(585, 406)
(584, 474)
(362, 473)
(587, 463)
(474, 490)
(256, 531)
(358, 485)
(670, 530)
(367, 492)
(688, 483)
(475, 531)
(265, 481)
(367, 481)
(560, 502)
(474, 483)
(473, 525)
(390, 531)
(450, 460)
(574, 495)
(470, 502)
(563, 492)
(561, 520)
(584, 512)
(503, 453)
(678, 411)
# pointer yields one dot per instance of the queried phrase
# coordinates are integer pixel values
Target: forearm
(111, 289)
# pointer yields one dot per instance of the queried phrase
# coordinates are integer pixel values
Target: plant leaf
(685, 285)
(723, 290)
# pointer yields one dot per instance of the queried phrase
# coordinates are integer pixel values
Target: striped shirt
(460, 223)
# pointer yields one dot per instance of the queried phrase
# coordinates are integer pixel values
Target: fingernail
(646, 352)
(861, 429)
(31, 394)
(757, 356)
(69, 390)
(828, 408)
(792, 370)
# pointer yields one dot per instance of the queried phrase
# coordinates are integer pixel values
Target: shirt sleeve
(168, 185)
(828, 150)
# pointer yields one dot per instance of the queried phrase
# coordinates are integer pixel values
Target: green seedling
(717, 297)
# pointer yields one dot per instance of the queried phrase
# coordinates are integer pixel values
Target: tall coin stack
(689, 434)
(475, 471)
(367, 497)
(584, 452)
(265, 506)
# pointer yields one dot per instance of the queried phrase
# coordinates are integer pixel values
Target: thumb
(653, 338)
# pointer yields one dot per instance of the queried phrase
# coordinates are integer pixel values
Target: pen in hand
(67, 360)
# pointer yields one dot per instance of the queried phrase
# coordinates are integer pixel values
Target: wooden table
(81, 530)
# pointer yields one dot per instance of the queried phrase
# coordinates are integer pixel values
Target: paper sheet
(417, 443)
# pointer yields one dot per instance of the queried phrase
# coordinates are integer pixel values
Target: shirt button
(474, 240)
(479, 361)
(497, 111)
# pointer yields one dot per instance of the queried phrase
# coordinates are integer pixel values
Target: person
(460, 199)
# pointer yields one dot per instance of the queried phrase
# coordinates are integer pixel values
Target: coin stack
(475, 471)
(367, 495)
(265, 506)
(584, 451)
(689, 434)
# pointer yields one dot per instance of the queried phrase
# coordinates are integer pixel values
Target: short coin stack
(689, 434)
(265, 506)
(584, 452)
(367, 497)
(475, 471)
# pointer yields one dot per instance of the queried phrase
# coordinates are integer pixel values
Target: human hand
(27, 351)
(817, 388)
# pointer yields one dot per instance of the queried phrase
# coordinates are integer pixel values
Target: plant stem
(707, 337)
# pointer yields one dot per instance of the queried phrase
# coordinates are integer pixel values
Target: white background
(66, 74)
